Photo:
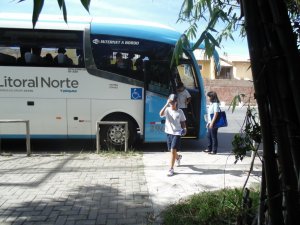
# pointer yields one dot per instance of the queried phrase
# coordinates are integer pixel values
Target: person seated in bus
(120, 62)
(139, 66)
(62, 59)
(104, 63)
(48, 60)
(21, 59)
(79, 53)
(34, 57)
(128, 61)
(36, 52)
(7, 59)
(139, 63)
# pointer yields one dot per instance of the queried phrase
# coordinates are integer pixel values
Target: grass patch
(117, 153)
(211, 208)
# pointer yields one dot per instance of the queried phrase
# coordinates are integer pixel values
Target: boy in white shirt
(174, 127)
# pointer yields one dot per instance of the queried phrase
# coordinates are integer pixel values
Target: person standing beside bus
(184, 98)
(175, 127)
(212, 132)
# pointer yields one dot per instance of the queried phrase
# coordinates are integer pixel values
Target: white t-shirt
(213, 107)
(173, 119)
(182, 97)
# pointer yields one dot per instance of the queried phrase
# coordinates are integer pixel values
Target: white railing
(27, 132)
(99, 123)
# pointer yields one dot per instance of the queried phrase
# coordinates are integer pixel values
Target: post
(28, 149)
(28, 138)
(97, 137)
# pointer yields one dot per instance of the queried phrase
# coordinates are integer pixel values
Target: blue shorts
(173, 142)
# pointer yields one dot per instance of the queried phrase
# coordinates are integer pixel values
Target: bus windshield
(131, 57)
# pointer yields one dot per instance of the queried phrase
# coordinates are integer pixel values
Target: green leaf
(186, 8)
(86, 4)
(199, 41)
(212, 29)
(37, 8)
(207, 45)
(65, 11)
(208, 3)
(212, 39)
(60, 3)
(178, 50)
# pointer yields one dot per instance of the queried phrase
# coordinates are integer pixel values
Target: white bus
(64, 78)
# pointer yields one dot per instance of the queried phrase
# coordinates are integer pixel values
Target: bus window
(127, 56)
(159, 77)
(186, 75)
(6, 59)
(40, 48)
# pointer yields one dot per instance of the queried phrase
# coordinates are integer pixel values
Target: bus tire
(112, 137)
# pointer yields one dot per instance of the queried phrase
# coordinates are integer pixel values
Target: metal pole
(126, 136)
(97, 137)
(28, 149)
(28, 138)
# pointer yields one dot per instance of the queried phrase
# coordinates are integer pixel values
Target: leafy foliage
(212, 13)
(38, 6)
(211, 208)
(250, 135)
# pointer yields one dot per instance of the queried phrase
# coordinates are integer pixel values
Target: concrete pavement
(86, 188)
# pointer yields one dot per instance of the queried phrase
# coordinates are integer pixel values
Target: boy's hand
(183, 132)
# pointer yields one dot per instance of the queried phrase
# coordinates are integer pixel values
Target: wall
(205, 71)
(242, 70)
(227, 89)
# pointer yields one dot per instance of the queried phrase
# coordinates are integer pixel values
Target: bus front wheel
(112, 137)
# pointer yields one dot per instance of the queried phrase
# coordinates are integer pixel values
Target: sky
(161, 11)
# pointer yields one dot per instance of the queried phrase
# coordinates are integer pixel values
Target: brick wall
(227, 89)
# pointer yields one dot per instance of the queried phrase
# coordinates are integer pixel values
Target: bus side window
(7, 59)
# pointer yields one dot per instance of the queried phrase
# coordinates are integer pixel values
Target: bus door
(154, 124)
(156, 95)
(79, 118)
(186, 74)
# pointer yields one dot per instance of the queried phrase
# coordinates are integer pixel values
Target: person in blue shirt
(212, 132)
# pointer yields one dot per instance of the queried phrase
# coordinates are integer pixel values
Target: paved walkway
(67, 189)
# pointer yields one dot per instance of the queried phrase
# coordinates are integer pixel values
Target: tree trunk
(257, 46)
(284, 115)
(276, 69)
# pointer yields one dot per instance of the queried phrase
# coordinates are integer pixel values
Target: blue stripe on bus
(137, 31)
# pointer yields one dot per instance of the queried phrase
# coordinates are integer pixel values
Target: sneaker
(171, 172)
(178, 160)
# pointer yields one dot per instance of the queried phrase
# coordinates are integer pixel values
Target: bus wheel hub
(117, 134)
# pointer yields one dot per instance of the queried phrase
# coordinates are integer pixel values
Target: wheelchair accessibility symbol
(136, 93)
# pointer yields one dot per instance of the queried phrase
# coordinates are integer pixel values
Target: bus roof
(135, 28)
(99, 25)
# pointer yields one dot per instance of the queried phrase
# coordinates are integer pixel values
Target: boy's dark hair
(213, 96)
(179, 85)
